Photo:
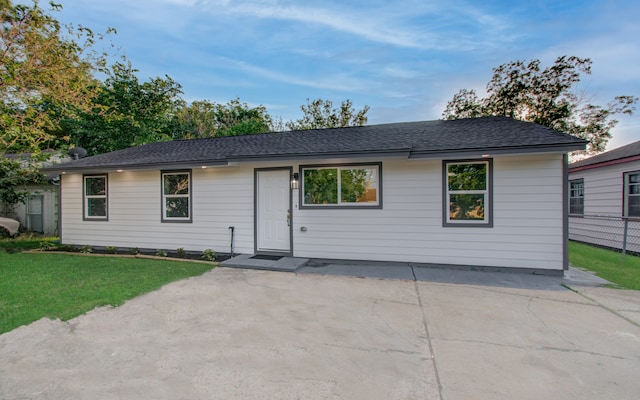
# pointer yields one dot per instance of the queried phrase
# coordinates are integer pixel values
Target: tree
(321, 114)
(127, 113)
(527, 92)
(208, 119)
(45, 73)
(14, 176)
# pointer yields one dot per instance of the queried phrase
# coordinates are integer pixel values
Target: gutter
(493, 151)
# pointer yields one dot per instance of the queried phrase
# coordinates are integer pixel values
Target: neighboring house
(604, 196)
(39, 213)
(486, 192)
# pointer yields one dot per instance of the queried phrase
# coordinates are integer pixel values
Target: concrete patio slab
(528, 344)
(253, 334)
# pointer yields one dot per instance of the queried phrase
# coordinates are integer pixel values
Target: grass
(607, 264)
(26, 242)
(54, 285)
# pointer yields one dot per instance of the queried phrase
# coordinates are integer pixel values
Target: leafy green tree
(127, 112)
(321, 114)
(207, 119)
(527, 92)
(46, 72)
(14, 176)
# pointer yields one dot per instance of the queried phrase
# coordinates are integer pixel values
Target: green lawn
(607, 264)
(64, 286)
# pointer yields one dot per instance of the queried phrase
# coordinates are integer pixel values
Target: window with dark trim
(467, 193)
(341, 186)
(576, 197)
(176, 196)
(632, 194)
(95, 197)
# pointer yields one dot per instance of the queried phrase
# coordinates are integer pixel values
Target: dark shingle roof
(415, 139)
(630, 150)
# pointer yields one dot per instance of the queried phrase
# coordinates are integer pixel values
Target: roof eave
(61, 169)
(495, 151)
(604, 163)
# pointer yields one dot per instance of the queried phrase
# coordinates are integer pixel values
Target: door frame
(256, 171)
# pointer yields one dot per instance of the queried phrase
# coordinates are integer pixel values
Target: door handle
(288, 217)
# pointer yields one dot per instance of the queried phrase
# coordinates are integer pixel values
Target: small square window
(467, 193)
(95, 201)
(176, 196)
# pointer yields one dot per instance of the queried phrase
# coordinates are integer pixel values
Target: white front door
(273, 213)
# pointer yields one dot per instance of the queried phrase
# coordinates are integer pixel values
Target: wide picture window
(467, 193)
(176, 196)
(341, 186)
(95, 197)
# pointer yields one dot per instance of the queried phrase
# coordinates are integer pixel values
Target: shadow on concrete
(516, 278)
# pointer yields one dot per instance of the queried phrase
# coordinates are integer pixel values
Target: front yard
(58, 285)
(53, 285)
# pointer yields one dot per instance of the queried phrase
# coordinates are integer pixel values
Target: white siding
(221, 198)
(527, 231)
(603, 208)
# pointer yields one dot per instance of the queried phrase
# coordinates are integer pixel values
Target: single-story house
(604, 195)
(488, 192)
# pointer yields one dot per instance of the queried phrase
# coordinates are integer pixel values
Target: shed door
(273, 210)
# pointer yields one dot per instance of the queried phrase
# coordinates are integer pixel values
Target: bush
(209, 255)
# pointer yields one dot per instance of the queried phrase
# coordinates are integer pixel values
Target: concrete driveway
(248, 334)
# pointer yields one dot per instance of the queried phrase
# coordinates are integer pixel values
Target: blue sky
(403, 58)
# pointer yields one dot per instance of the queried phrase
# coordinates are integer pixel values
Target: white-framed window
(345, 185)
(95, 201)
(632, 194)
(176, 196)
(467, 193)
(576, 197)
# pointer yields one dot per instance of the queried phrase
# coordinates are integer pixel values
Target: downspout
(232, 228)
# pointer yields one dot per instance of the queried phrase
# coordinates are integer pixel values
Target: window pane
(634, 189)
(466, 207)
(177, 207)
(320, 186)
(634, 178)
(358, 185)
(577, 189)
(467, 176)
(176, 184)
(576, 205)
(96, 186)
(634, 206)
(97, 207)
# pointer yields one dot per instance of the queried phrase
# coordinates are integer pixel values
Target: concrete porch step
(253, 261)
